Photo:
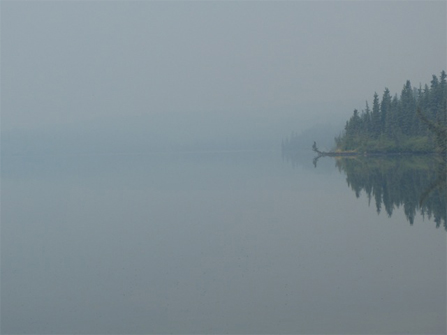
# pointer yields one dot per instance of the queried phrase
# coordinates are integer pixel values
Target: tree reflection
(417, 183)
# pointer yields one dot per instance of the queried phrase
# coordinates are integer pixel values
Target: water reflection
(415, 183)
(209, 243)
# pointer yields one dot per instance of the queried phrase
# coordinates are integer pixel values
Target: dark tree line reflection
(416, 183)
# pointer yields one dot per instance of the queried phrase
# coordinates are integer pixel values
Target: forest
(413, 122)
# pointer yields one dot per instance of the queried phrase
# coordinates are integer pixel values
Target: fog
(143, 186)
(97, 76)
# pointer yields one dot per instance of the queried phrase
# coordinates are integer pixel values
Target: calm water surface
(232, 242)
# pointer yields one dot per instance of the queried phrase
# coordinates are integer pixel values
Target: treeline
(400, 123)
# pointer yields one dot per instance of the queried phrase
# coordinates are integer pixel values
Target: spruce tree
(393, 125)
(408, 109)
(385, 106)
(375, 116)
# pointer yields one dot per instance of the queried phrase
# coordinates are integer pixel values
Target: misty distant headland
(413, 122)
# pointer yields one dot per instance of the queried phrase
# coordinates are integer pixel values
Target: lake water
(213, 243)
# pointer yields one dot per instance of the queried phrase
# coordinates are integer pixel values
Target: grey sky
(68, 62)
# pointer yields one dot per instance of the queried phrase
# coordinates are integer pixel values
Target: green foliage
(439, 129)
(395, 124)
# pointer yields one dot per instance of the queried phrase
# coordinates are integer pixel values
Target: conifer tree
(375, 116)
(395, 125)
(385, 106)
(408, 110)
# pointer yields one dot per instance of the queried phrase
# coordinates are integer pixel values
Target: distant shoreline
(374, 153)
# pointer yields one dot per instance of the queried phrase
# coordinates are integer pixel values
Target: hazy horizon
(189, 73)
(158, 176)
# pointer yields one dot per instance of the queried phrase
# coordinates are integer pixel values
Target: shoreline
(375, 153)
